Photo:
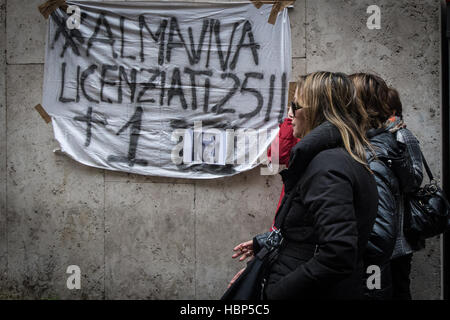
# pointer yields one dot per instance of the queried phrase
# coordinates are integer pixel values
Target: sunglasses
(295, 106)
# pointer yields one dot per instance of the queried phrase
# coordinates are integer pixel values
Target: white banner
(175, 89)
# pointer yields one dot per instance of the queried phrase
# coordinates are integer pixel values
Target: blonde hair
(328, 96)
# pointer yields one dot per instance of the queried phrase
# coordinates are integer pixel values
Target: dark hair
(394, 102)
(373, 94)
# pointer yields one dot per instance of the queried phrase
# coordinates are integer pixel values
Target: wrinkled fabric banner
(175, 89)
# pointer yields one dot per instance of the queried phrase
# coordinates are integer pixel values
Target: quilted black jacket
(394, 174)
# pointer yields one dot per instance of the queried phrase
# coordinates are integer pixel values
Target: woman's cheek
(296, 128)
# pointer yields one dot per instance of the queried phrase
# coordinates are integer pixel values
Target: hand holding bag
(250, 284)
(427, 211)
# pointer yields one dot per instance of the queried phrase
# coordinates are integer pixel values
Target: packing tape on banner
(277, 7)
(43, 113)
(47, 8)
(257, 3)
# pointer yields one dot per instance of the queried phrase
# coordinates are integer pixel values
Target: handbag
(250, 284)
(427, 211)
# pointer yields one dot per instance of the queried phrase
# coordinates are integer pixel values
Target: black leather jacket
(393, 172)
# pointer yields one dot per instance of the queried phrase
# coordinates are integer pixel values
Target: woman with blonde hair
(334, 204)
(286, 141)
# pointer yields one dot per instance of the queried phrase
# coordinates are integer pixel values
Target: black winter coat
(326, 230)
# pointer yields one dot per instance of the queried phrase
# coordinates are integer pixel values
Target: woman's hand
(244, 249)
(235, 277)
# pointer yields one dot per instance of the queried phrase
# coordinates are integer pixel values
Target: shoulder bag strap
(427, 168)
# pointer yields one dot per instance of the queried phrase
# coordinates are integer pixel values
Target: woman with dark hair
(403, 250)
(334, 204)
(374, 95)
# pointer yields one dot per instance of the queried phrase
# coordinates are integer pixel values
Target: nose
(290, 113)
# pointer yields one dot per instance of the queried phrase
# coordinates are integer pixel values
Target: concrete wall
(174, 238)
